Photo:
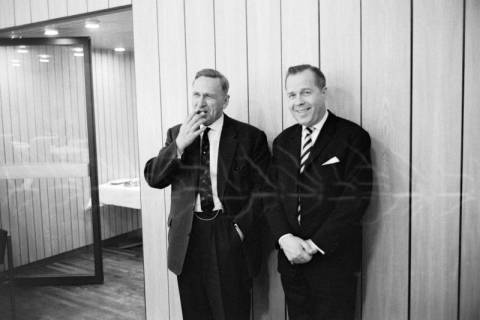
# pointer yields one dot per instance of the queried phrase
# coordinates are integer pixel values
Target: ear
(324, 90)
(227, 99)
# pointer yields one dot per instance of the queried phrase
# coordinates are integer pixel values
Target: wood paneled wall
(407, 71)
(470, 211)
(19, 12)
(43, 123)
(116, 131)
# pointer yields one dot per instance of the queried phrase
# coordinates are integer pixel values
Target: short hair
(212, 73)
(320, 80)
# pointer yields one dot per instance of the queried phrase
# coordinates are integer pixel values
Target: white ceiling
(115, 30)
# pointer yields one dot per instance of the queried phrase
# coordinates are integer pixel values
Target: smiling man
(215, 166)
(320, 179)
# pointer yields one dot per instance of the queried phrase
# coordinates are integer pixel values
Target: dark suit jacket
(243, 159)
(334, 196)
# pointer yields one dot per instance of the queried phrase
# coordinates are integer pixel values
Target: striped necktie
(304, 154)
(307, 145)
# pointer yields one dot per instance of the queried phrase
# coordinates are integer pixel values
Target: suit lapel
(226, 152)
(323, 139)
(193, 153)
(293, 148)
(291, 165)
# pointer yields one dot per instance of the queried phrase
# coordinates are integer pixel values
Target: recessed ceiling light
(77, 49)
(119, 49)
(15, 61)
(13, 35)
(78, 54)
(43, 56)
(44, 60)
(16, 65)
(22, 49)
(50, 32)
(92, 24)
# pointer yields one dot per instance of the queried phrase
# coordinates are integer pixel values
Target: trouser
(320, 297)
(214, 282)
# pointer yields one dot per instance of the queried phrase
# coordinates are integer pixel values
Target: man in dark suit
(215, 166)
(321, 181)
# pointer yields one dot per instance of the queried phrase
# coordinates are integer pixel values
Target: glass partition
(48, 173)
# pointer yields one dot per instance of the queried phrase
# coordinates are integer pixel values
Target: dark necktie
(204, 181)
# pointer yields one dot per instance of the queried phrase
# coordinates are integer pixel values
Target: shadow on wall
(386, 204)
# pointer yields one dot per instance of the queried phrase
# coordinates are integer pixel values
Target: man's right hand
(189, 131)
(293, 247)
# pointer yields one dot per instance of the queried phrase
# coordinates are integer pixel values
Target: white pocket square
(331, 161)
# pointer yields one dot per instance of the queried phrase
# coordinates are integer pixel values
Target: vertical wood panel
(436, 113)
(137, 167)
(22, 12)
(57, 8)
(71, 118)
(118, 3)
(122, 127)
(78, 100)
(470, 263)
(300, 43)
(20, 155)
(39, 10)
(37, 153)
(80, 131)
(83, 133)
(200, 37)
(146, 28)
(175, 83)
(231, 53)
(265, 111)
(76, 7)
(125, 127)
(59, 129)
(16, 103)
(44, 140)
(7, 14)
(31, 208)
(386, 116)
(4, 209)
(14, 225)
(66, 115)
(6, 144)
(340, 55)
(174, 102)
(4, 141)
(51, 133)
(93, 5)
(99, 83)
(264, 68)
(111, 141)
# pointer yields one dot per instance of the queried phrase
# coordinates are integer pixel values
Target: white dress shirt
(318, 126)
(214, 138)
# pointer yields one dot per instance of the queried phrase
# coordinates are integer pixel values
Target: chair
(6, 247)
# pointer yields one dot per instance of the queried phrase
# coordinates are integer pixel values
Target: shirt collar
(217, 125)
(319, 125)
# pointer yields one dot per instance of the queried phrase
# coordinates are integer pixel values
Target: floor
(120, 297)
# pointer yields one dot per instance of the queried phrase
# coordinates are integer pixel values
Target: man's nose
(298, 101)
(201, 101)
